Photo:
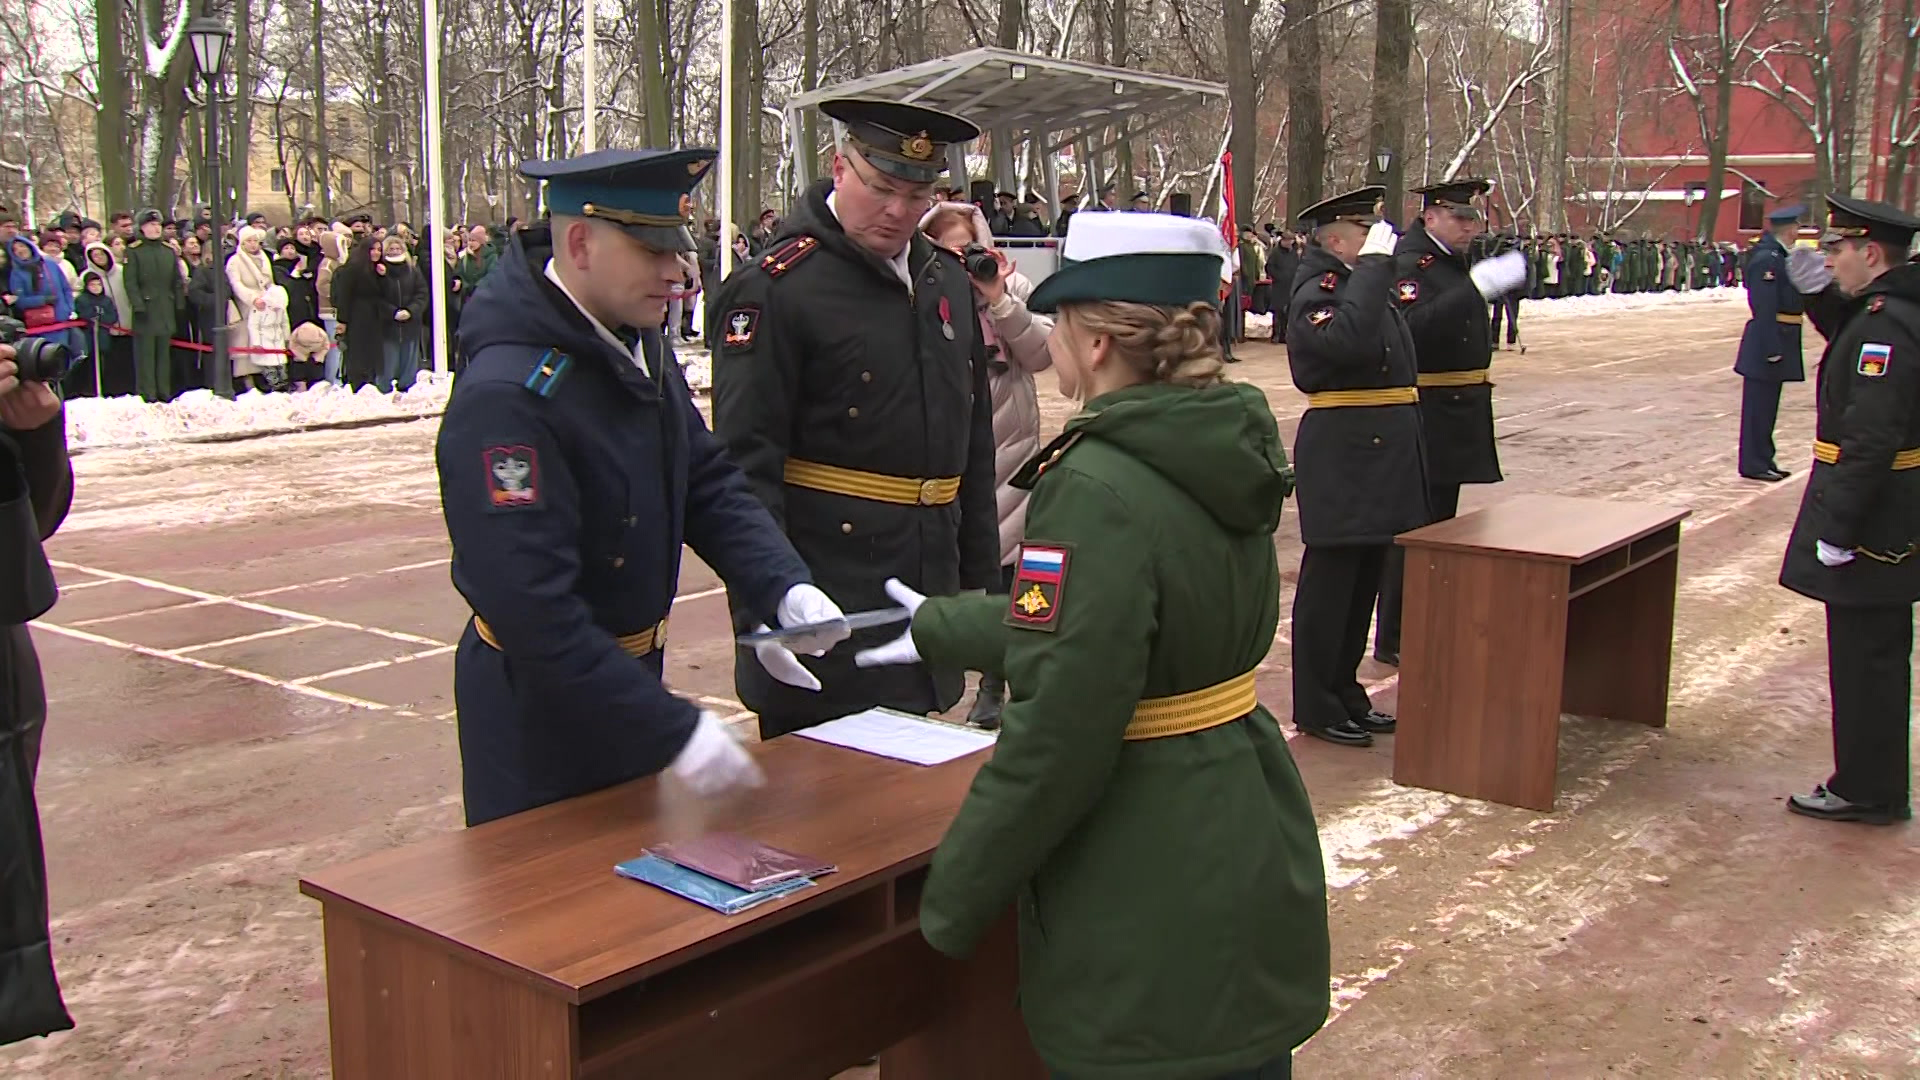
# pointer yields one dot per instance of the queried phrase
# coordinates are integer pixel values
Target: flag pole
(723, 178)
(587, 104)
(436, 196)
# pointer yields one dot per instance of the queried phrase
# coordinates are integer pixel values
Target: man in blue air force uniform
(1770, 344)
(573, 466)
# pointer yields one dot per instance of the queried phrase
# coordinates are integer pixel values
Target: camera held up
(38, 359)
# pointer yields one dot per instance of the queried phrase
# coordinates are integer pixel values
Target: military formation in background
(1568, 265)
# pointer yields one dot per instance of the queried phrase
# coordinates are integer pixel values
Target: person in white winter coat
(1017, 346)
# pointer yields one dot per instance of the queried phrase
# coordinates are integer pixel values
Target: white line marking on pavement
(343, 578)
(208, 665)
(1536, 412)
(375, 665)
(244, 638)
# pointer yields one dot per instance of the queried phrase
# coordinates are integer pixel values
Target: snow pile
(198, 414)
(697, 365)
(1261, 326)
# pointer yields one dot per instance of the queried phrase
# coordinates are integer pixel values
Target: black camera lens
(981, 264)
(41, 360)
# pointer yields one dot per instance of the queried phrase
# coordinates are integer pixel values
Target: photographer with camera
(36, 487)
(1016, 349)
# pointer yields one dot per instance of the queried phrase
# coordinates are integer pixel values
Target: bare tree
(1709, 62)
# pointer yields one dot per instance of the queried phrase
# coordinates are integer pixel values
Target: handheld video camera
(37, 358)
(981, 265)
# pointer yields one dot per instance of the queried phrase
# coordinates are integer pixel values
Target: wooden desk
(513, 951)
(1516, 613)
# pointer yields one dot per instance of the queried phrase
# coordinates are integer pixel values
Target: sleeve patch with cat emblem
(1320, 316)
(1039, 584)
(1408, 291)
(513, 477)
(740, 326)
(1874, 359)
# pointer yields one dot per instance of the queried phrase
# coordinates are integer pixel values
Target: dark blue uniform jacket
(569, 479)
(1770, 296)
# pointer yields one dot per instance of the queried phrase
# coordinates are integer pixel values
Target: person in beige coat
(257, 312)
(1017, 344)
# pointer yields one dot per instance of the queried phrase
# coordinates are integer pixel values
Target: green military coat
(154, 287)
(1172, 904)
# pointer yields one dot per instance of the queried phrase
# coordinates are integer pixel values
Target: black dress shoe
(1391, 659)
(1344, 733)
(1779, 473)
(1827, 806)
(1773, 477)
(1374, 723)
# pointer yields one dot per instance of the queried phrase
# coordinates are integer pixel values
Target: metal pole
(723, 198)
(222, 382)
(587, 108)
(437, 198)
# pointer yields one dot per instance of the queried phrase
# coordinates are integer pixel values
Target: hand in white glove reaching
(900, 650)
(804, 604)
(1830, 555)
(713, 761)
(1380, 239)
(1499, 275)
(1807, 269)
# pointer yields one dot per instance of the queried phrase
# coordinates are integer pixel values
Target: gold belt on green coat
(1196, 710)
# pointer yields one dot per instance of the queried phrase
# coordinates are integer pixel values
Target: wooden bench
(513, 951)
(1521, 611)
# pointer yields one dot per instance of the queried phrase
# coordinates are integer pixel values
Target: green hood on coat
(1220, 445)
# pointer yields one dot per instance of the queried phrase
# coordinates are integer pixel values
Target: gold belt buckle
(928, 491)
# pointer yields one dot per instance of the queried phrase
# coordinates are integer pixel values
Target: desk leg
(1481, 644)
(978, 1032)
(1620, 646)
(399, 1009)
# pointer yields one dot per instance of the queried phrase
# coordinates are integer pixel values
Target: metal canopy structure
(1017, 96)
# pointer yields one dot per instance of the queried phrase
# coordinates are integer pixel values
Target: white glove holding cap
(804, 604)
(714, 761)
(900, 650)
(1500, 275)
(1380, 239)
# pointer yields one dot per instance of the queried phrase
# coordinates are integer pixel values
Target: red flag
(1227, 228)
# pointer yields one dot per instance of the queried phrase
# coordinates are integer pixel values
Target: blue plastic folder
(711, 892)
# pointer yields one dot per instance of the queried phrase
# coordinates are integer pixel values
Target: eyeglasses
(910, 200)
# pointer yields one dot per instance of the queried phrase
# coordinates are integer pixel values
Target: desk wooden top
(537, 891)
(1551, 528)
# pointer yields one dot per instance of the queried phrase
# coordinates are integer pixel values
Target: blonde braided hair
(1178, 345)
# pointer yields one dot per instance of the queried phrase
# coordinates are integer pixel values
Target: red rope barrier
(125, 331)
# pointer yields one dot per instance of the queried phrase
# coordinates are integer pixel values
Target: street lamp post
(1383, 161)
(210, 38)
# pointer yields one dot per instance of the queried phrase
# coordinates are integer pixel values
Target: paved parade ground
(250, 676)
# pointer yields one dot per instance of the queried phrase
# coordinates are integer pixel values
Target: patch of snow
(1260, 327)
(129, 421)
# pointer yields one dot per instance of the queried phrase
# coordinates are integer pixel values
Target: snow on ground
(198, 414)
(1260, 326)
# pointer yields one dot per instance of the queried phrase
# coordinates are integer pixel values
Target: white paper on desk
(899, 736)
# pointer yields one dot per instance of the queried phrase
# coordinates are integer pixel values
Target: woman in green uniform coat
(1141, 809)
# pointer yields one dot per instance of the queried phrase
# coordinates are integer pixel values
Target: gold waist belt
(640, 644)
(904, 491)
(1342, 399)
(1181, 714)
(1830, 453)
(1454, 378)
(1788, 317)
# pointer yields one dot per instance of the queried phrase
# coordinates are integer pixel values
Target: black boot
(987, 702)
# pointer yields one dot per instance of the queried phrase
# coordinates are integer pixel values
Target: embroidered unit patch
(1039, 580)
(741, 324)
(1408, 291)
(1874, 359)
(513, 477)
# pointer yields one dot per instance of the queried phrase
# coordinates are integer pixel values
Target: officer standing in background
(1856, 542)
(850, 384)
(1445, 305)
(1770, 344)
(573, 466)
(1360, 467)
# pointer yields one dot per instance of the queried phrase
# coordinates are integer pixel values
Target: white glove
(1499, 275)
(713, 761)
(1830, 555)
(900, 650)
(1807, 269)
(803, 604)
(1380, 239)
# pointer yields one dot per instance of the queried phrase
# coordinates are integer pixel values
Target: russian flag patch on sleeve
(1039, 583)
(1873, 360)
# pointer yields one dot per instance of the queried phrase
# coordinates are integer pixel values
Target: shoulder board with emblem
(1048, 456)
(1330, 281)
(781, 259)
(1425, 261)
(1876, 304)
(547, 373)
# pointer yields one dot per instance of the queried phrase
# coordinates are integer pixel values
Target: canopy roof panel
(1011, 91)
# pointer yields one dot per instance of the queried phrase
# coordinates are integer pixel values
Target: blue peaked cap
(642, 191)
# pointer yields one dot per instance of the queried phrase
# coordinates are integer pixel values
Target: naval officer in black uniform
(573, 466)
(850, 383)
(1359, 463)
(1445, 305)
(1856, 542)
(1769, 344)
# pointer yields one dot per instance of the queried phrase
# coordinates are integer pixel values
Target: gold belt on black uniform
(878, 487)
(1830, 453)
(640, 644)
(1197, 710)
(1341, 399)
(1454, 378)
(1793, 317)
